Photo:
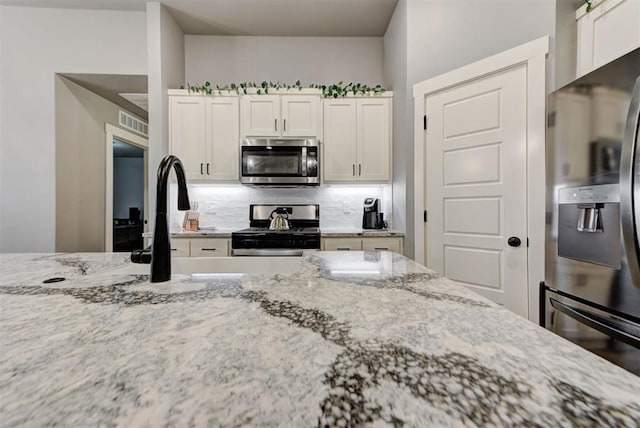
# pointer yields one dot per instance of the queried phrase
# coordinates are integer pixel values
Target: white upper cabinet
(260, 115)
(610, 30)
(374, 138)
(300, 115)
(187, 134)
(357, 139)
(340, 147)
(222, 138)
(280, 115)
(204, 133)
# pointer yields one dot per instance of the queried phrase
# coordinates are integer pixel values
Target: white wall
(225, 59)
(35, 44)
(395, 77)
(128, 186)
(80, 139)
(166, 70)
(447, 34)
(566, 45)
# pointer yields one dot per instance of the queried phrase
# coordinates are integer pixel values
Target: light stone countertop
(325, 232)
(223, 232)
(357, 233)
(351, 338)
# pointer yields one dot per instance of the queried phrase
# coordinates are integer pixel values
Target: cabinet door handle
(201, 166)
(284, 121)
(354, 169)
(343, 249)
(359, 169)
(174, 249)
(208, 168)
(209, 249)
(276, 122)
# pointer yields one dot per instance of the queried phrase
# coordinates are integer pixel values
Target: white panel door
(223, 139)
(374, 148)
(300, 115)
(339, 158)
(476, 166)
(260, 115)
(187, 134)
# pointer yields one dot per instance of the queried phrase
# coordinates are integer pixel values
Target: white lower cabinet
(180, 247)
(199, 247)
(363, 244)
(342, 244)
(382, 244)
(209, 247)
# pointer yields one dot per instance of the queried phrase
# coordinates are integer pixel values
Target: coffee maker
(372, 218)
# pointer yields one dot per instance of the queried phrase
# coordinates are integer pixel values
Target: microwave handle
(304, 161)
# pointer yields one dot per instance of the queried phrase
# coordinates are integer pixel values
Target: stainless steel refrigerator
(591, 292)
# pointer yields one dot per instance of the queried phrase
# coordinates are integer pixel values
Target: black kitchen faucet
(160, 254)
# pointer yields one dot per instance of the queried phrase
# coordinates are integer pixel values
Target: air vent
(130, 122)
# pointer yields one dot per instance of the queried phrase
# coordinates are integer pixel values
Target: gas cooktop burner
(258, 240)
(296, 230)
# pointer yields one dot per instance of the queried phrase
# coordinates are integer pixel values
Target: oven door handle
(606, 326)
(268, 252)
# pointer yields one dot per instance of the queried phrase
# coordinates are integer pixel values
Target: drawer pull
(343, 249)
(381, 249)
(174, 249)
(209, 249)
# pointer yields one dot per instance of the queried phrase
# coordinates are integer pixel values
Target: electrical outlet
(210, 207)
(346, 207)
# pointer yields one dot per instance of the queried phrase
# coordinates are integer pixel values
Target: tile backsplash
(227, 206)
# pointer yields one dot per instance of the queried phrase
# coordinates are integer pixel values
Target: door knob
(514, 241)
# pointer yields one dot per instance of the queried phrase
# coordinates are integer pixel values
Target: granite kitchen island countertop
(347, 339)
(357, 233)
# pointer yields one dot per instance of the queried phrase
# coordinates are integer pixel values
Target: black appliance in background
(127, 232)
(259, 240)
(591, 292)
(372, 218)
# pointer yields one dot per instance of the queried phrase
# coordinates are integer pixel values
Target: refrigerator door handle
(606, 326)
(629, 175)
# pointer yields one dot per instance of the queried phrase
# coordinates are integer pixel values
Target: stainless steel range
(298, 230)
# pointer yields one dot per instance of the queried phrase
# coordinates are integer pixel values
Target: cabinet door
(382, 244)
(374, 148)
(209, 247)
(342, 244)
(339, 158)
(187, 134)
(223, 138)
(260, 116)
(179, 247)
(609, 31)
(300, 115)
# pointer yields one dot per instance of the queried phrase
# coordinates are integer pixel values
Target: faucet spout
(161, 246)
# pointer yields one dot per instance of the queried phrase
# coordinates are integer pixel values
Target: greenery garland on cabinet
(328, 91)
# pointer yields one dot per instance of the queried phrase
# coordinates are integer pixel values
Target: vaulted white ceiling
(256, 17)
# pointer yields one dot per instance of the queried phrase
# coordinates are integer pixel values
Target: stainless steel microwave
(280, 162)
